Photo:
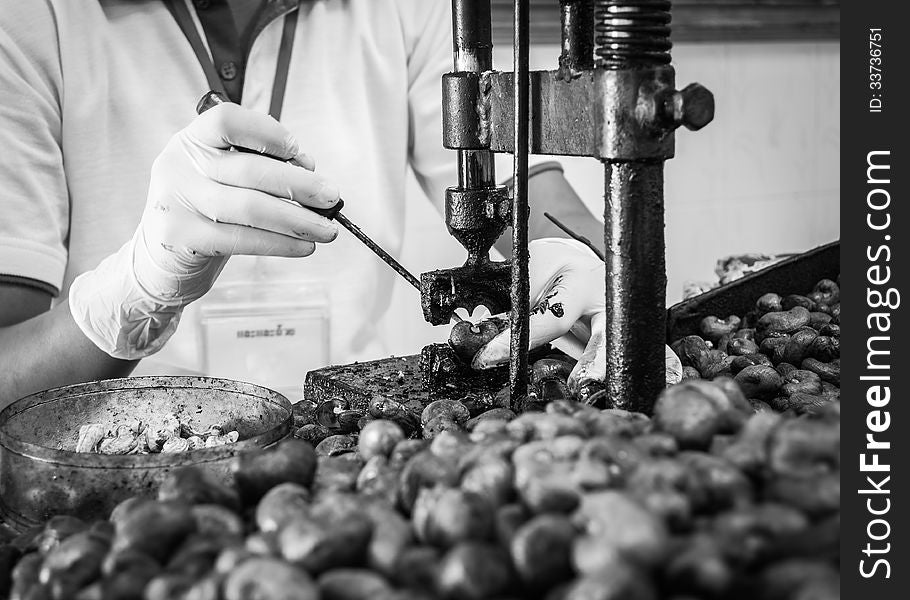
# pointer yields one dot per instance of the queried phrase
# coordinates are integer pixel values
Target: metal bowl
(41, 475)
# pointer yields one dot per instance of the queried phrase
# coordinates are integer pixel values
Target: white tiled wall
(763, 177)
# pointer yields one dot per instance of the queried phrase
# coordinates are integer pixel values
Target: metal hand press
(612, 98)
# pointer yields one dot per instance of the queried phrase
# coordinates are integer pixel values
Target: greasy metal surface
(446, 376)
(577, 37)
(605, 114)
(794, 275)
(472, 38)
(633, 43)
(414, 380)
(476, 218)
(472, 45)
(41, 474)
(692, 107)
(476, 209)
(623, 112)
(632, 33)
(519, 316)
(636, 283)
(398, 378)
(476, 169)
(468, 287)
(461, 111)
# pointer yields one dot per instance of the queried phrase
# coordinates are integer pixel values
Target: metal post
(477, 210)
(473, 52)
(577, 20)
(518, 363)
(634, 35)
(636, 282)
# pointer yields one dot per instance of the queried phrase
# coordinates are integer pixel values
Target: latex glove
(568, 308)
(205, 203)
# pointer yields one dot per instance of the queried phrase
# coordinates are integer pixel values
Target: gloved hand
(568, 308)
(205, 203)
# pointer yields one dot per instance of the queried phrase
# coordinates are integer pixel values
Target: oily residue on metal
(397, 378)
(468, 287)
(577, 21)
(635, 283)
(414, 381)
(448, 377)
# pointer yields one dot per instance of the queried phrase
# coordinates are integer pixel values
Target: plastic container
(265, 332)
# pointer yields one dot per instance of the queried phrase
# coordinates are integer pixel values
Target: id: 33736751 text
(876, 98)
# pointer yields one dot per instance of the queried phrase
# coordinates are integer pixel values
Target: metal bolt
(692, 107)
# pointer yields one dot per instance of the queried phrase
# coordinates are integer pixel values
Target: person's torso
(131, 81)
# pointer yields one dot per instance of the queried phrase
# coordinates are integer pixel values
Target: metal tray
(794, 275)
(41, 475)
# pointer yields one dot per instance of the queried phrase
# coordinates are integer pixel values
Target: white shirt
(91, 91)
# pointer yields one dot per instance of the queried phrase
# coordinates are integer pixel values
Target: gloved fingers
(273, 177)
(564, 302)
(674, 367)
(226, 239)
(304, 160)
(575, 340)
(259, 210)
(551, 256)
(592, 364)
(230, 124)
(571, 344)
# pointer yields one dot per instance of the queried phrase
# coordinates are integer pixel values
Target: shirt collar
(273, 9)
